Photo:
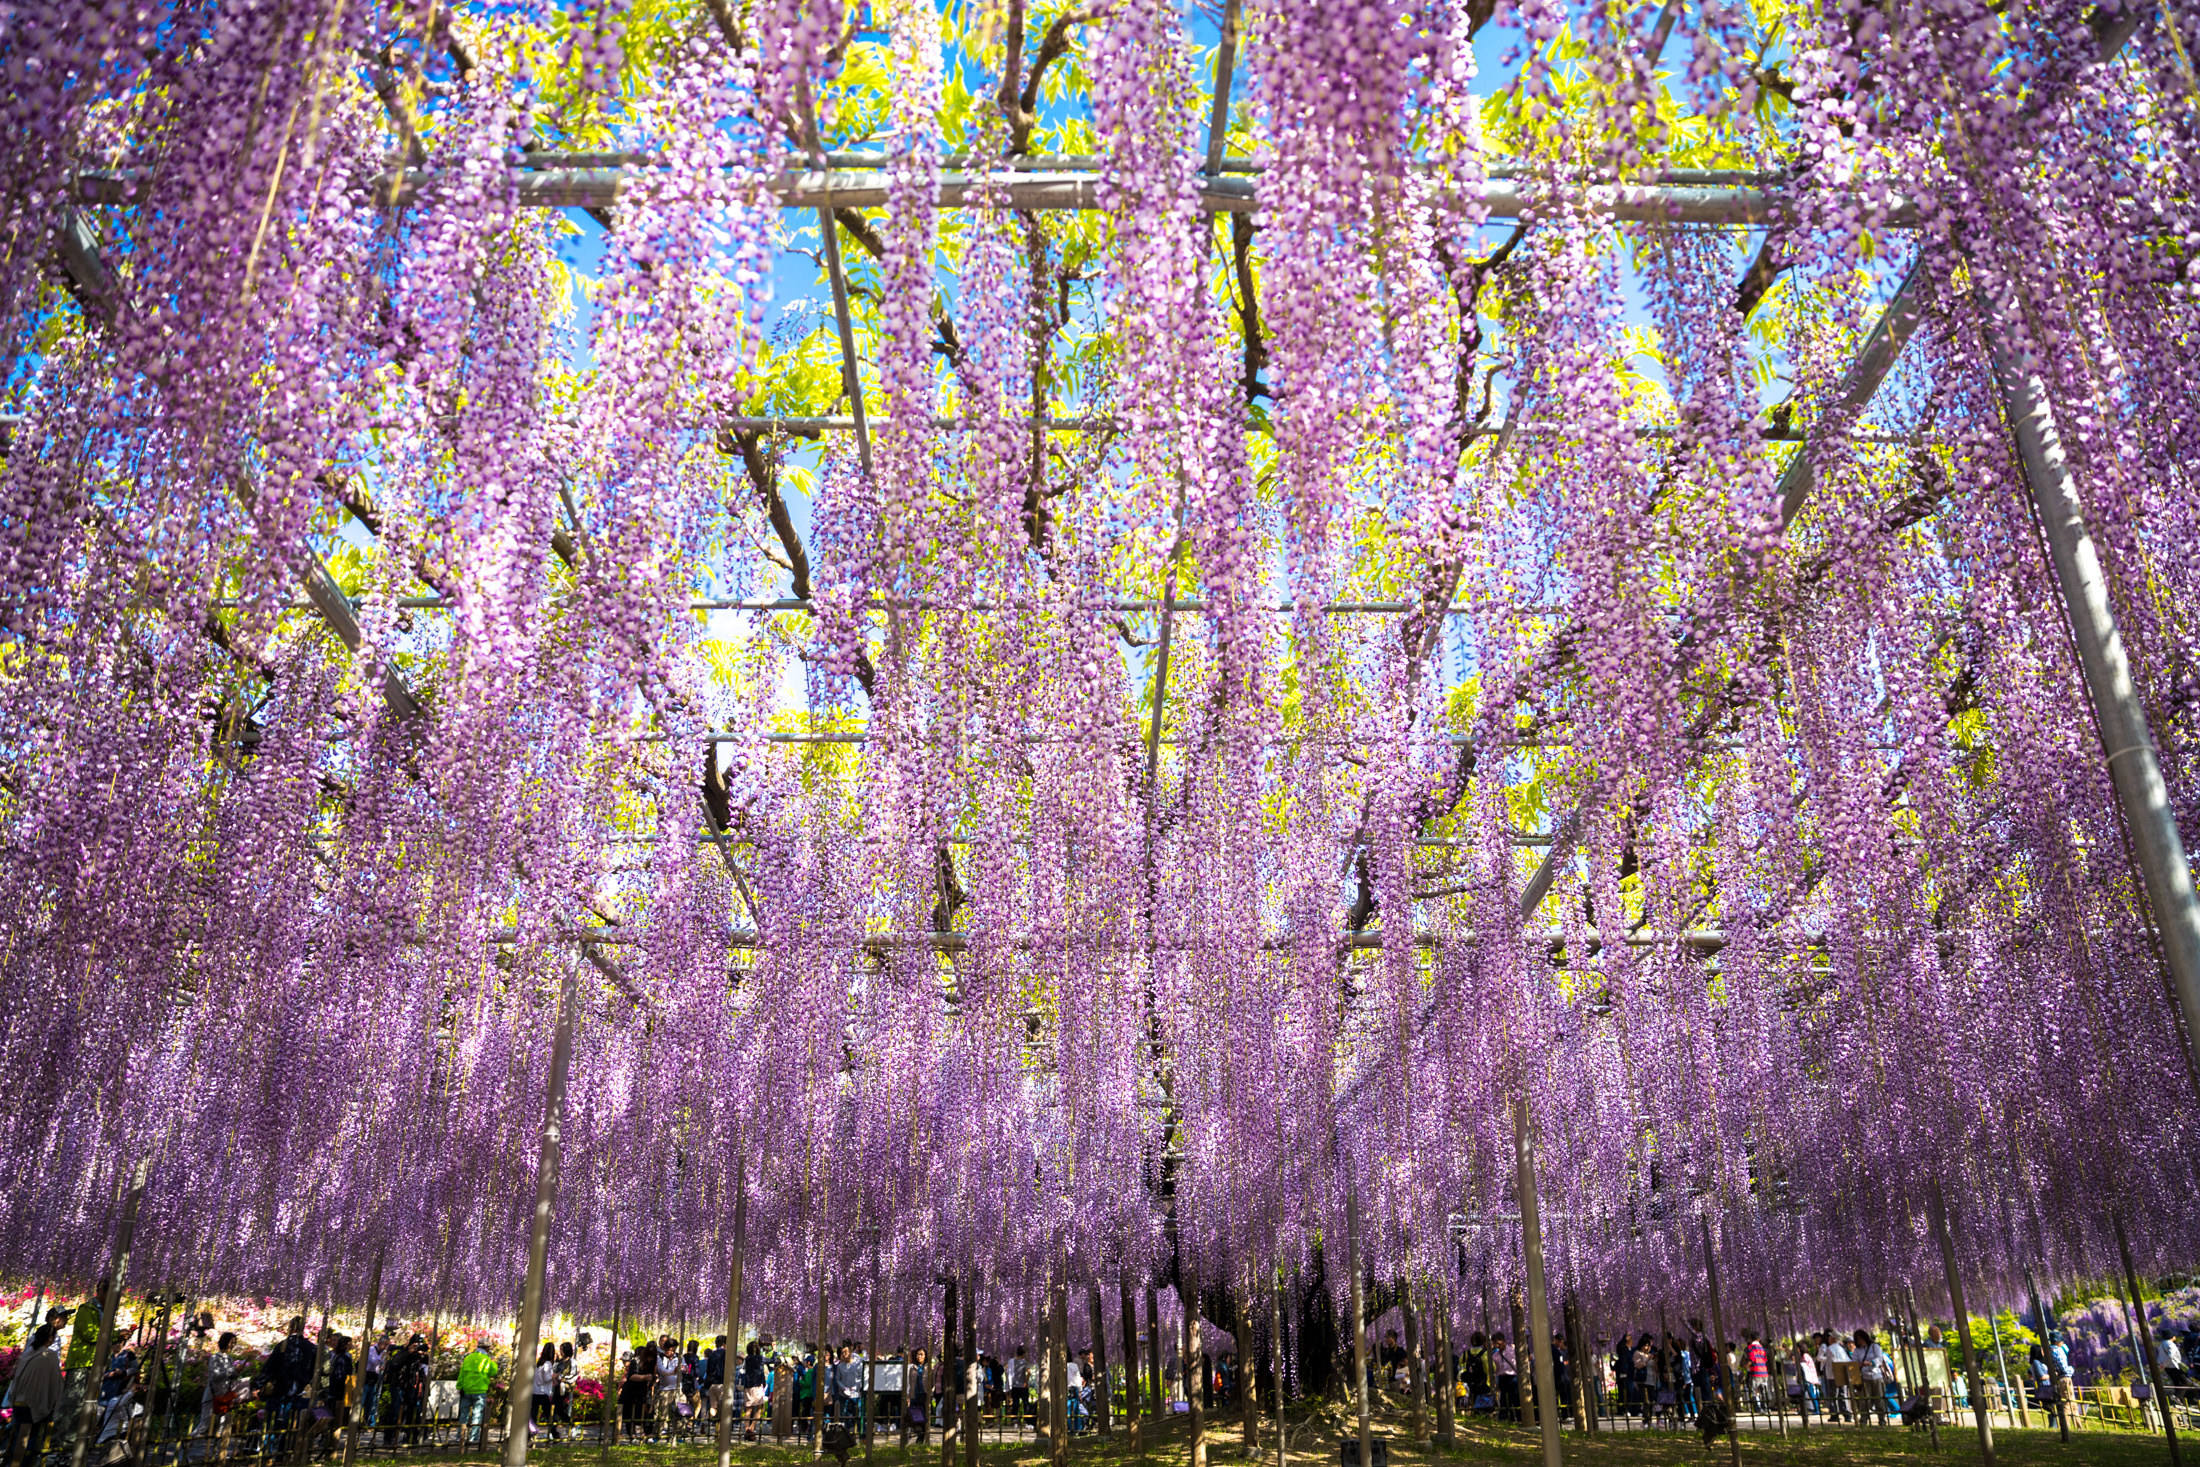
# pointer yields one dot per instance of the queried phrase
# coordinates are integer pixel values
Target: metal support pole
(1099, 1383)
(2133, 765)
(730, 1401)
(521, 1400)
(360, 1405)
(1191, 1373)
(1539, 1318)
(1359, 1315)
(2047, 1348)
(110, 1295)
(1979, 1407)
(1131, 1377)
(1153, 1352)
(2143, 1343)
(1718, 1344)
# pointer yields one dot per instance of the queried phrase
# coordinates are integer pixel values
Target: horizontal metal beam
(603, 187)
(919, 603)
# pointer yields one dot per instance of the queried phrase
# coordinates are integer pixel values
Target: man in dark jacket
(407, 1380)
(285, 1377)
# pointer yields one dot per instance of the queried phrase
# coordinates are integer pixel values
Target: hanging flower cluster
(1295, 679)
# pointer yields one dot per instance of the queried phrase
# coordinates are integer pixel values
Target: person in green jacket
(476, 1370)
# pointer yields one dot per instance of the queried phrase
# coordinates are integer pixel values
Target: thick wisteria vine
(353, 693)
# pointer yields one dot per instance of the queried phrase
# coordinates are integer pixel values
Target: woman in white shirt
(1802, 1374)
(545, 1388)
(222, 1384)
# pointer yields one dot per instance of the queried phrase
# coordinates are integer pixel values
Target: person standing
(848, 1389)
(667, 1416)
(1802, 1380)
(1506, 1365)
(370, 1384)
(1833, 1361)
(1758, 1363)
(1019, 1389)
(916, 1399)
(714, 1378)
(568, 1371)
(35, 1395)
(1879, 1374)
(542, 1389)
(285, 1381)
(755, 1398)
(635, 1390)
(408, 1370)
(477, 1371)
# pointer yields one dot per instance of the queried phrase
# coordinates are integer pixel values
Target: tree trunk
(1058, 1363)
(1099, 1382)
(1416, 1378)
(1198, 1418)
(1446, 1373)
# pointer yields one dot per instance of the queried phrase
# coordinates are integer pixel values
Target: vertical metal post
(1191, 1371)
(973, 1376)
(360, 1405)
(1099, 1383)
(2133, 766)
(1153, 1351)
(1359, 1315)
(950, 1414)
(1132, 1380)
(1539, 1317)
(730, 1400)
(2047, 1348)
(520, 1394)
(1718, 1345)
(110, 1295)
(2143, 1343)
(1416, 1377)
(1979, 1406)
(870, 1355)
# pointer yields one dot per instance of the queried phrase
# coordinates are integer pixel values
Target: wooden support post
(1191, 1373)
(1357, 1295)
(1058, 1358)
(1539, 1316)
(1248, 1373)
(1576, 1353)
(1446, 1373)
(110, 1296)
(1718, 1343)
(1131, 1378)
(1416, 1377)
(519, 1401)
(870, 1355)
(611, 1392)
(2144, 1343)
(1153, 1354)
(356, 1417)
(973, 1375)
(1924, 1376)
(823, 1373)
(1099, 1382)
(1276, 1367)
(948, 1373)
(2020, 1408)
(1980, 1407)
(136, 1436)
(2047, 1347)
(730, 1402)
(1042, 1402)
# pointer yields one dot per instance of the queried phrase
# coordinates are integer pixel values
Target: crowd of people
(196, 1387)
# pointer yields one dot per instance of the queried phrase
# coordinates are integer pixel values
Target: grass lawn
(1314, 1432)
